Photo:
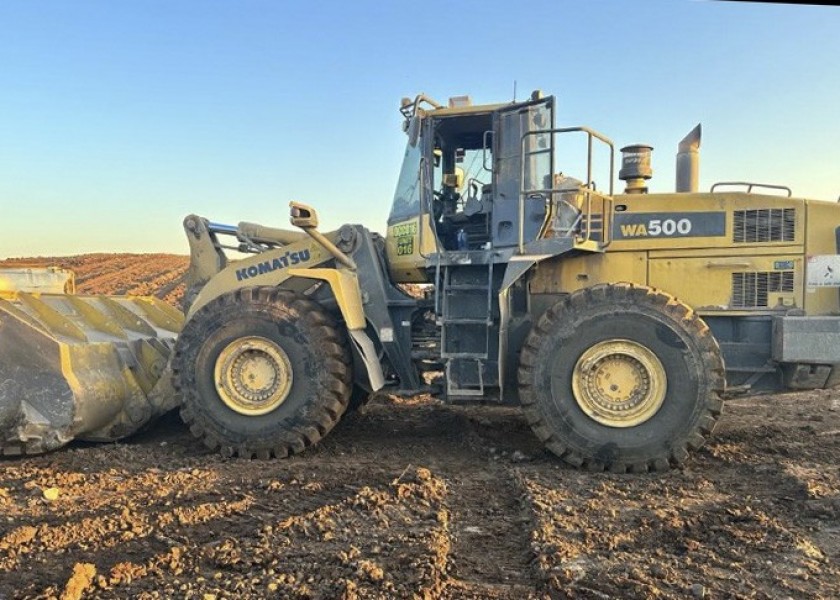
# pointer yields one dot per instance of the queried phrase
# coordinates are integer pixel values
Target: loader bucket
(81, 367)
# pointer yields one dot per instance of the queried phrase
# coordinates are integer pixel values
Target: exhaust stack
(688, 162)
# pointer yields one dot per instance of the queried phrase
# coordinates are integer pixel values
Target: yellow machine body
(408, 246)
(721, 253)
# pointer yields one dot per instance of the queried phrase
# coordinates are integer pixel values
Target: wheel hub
(253, 375)
(619, 383)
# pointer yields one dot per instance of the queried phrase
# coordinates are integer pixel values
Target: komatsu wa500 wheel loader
(617, 321)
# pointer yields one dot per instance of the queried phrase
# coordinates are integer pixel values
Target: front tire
(261, 372)
(621, 377)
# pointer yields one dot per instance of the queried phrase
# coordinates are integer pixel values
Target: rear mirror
(413, 131)
(303, 215)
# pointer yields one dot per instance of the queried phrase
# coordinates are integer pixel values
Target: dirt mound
(160, 275)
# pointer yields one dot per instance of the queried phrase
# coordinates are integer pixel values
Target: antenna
(514, 90)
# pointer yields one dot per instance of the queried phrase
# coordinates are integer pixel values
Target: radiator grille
(764, 225)
(750, 290)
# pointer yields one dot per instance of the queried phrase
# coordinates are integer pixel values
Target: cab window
(407, 195)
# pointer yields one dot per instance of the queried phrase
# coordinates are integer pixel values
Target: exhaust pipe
(688, 162)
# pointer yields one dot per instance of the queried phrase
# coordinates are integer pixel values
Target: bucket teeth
(81, 367)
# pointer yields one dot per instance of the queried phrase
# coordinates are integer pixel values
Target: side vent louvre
(750, 290)
(764, 225)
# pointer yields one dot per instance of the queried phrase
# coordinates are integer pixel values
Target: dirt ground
(417, 499)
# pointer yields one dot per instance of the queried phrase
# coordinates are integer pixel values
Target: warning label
(823, 270)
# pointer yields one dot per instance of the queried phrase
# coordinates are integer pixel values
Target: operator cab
(466, 168)
(462, 181)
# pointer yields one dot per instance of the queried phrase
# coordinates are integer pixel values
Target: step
(461, 392)
(467, 287)
(472, 355)
(465, 321)
(751, 369)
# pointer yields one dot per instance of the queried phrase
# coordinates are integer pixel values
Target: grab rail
(750, 185)
(589, 186)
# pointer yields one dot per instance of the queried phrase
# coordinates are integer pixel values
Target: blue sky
(119, 118)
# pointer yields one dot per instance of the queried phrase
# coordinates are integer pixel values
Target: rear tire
(261, 372)
(621, 377)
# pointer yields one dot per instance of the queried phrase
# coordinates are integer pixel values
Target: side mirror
(413, 131)
(302, 215)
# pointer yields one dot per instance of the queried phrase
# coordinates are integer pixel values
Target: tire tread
(307, 427)
(563, 313)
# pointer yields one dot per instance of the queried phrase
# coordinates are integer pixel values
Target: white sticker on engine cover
(823, 271)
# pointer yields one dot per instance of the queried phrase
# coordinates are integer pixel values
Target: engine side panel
(737, 253)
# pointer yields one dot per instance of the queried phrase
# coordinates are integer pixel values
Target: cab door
(523, 164)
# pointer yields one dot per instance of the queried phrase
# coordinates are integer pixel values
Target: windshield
(407, 196)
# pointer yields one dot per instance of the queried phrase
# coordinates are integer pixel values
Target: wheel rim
(619, 383)
(253, 375)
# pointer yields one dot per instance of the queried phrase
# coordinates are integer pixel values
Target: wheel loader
(618, 321)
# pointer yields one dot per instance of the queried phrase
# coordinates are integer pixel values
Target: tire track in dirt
(484, 548)
(132, 271)
(490, 524)
(134, 531)
(717, 529)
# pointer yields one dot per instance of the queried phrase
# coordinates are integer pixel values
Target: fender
(348, 294)
(271, 269)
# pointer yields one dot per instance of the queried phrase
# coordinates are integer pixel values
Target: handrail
(427, 208)
(750, 185)
(523, 193)
(422, 176)
(484, 137)
(591, 133)
(410, 109)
